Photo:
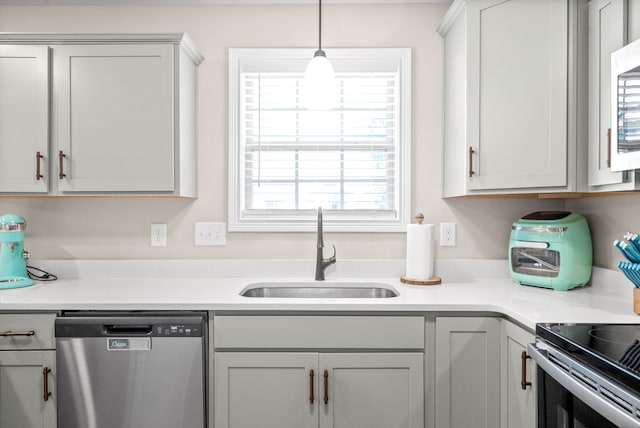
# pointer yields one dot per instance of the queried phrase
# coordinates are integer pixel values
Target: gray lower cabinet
(319, 371)
(27, 371)
(256, 389)
(518, 389)
(25, 378)
(467, 370)
(307, 390)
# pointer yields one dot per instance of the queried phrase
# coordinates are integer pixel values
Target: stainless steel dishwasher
(131, 369)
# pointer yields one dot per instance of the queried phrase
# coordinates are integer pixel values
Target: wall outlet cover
(158, 235)
(447, 234)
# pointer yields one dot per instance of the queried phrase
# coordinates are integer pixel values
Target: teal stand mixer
(13, 258)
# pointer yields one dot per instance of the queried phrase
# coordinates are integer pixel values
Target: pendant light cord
(320, 25)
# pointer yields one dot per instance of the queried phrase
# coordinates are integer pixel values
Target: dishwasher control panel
(138, 324)
(177, 330)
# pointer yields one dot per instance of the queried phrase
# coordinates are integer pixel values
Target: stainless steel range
(588, 375)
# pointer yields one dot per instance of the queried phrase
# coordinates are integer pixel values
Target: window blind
(342, 158)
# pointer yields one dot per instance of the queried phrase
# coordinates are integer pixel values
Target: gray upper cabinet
(607, 33)
(115, 117)
(511, 88)
(24, 118)
(123, 116)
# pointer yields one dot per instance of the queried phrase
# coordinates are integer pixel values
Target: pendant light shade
(319, 71)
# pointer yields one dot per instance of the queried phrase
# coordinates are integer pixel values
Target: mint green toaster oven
(551, 249)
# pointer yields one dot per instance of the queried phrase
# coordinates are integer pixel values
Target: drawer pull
(311, 386)
(45, 384)
(523, 382)
(17, 333)
(39, 175)
(326, 387)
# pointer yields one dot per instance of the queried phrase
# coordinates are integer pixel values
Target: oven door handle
(594, 400)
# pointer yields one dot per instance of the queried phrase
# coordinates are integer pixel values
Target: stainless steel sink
(313, 290)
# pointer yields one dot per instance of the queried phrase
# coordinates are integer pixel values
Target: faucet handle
(332, 259)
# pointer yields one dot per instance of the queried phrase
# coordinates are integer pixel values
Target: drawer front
(27, 331)
(318, 332)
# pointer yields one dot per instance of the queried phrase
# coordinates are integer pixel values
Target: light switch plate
(210, 234)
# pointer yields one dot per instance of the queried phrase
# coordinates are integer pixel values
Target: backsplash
(609, 218)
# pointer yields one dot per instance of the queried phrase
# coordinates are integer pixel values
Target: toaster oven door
(535, 261)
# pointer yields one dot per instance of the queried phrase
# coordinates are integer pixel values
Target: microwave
(625, 107)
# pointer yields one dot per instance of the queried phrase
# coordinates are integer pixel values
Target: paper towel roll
(419, 251)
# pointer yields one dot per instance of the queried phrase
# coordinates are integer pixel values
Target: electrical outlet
(158, 235)
(447, 234)
(207, 233)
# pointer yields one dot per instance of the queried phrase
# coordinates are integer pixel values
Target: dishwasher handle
(127, 329)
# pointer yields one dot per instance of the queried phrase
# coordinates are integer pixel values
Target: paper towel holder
(431, 281)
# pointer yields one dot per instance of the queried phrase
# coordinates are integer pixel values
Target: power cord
(39, 274)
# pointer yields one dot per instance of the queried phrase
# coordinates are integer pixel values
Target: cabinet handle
(39, 156)
(609, 148)
(45, 384)
(471, 153)
(326, 387)
(17, 333)
(311, 386)
(524, 357)
(61, 157)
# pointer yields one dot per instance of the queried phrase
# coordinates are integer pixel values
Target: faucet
(321, 262)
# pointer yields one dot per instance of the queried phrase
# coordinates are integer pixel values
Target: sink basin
(313, 290)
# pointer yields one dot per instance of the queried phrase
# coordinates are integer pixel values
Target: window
(292, 151)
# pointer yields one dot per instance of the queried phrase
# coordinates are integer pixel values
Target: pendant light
(319, 71)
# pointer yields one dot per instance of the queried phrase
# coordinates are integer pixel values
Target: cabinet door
(22, 388)
(266, 390)
(467, 372)
(519, 405)
(372, 390)
(518, 93)
(454, 105)
(114, 118)
(607, 33)
(24, 118)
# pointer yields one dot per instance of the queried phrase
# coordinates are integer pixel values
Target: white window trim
(305, 221)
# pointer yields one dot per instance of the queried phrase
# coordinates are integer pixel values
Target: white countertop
(467, 286)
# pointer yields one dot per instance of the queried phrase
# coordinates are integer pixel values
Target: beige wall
(119, 228)
(609, 218)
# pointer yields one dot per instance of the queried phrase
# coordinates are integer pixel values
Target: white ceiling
(192, 2)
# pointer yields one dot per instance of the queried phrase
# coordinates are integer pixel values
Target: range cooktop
(612, 349)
